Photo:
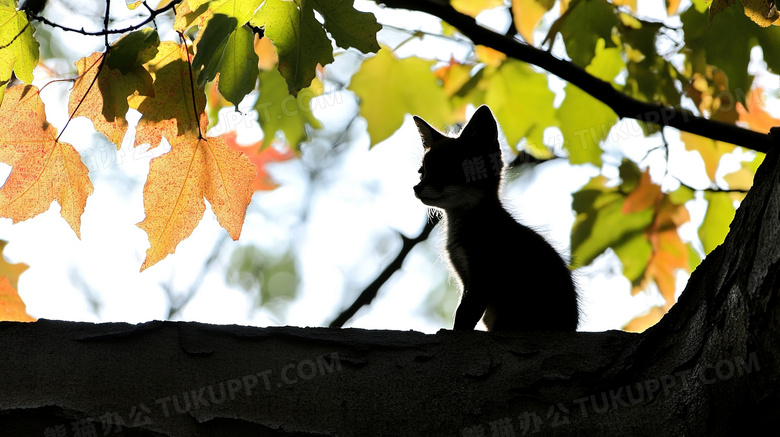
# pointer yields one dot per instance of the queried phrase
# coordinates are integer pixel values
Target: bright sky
(356, 210)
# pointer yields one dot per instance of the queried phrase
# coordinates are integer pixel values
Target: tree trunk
(710, 367)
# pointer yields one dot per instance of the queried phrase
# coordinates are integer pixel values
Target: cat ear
(428, 133)
(482, 125)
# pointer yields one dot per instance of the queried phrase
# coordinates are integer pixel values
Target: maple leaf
(12, 307)
(170, 112)
(259, 158)
(43, 169)
(106, 102)
(19, 54)
(194, 169)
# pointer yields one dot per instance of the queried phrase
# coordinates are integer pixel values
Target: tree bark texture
(708, 368)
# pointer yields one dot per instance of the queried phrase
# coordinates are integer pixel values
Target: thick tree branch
(623, 105)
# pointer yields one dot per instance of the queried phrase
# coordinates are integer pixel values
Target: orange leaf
(669, 251)
(178, 182)
(259, 158)
(755, 116)
(12, 307)
(266, 55)
(10, 271)
(710, 150)
(170, 112)
(644, 195)
(44, 169)
(641, 323)
(104, 101)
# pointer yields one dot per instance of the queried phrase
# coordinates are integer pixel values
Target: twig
(370, 292)
(108, 31)
(623, 105)
(73, 114)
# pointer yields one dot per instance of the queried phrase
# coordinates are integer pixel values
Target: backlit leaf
(389, 87)
(19, 53)
(105, 100)
(43, 169)
(525, 117)
(194, 169)
(585, 121)
(8, 270)
(584, 23)
(298, 38)
(526, 15)
(349, 27)
(12, 307)
(133, 49)
(754, 114)
(259, 157)
(601, 223)
(710, 150)
(715, 226)
(170, 113)
(278, 111)
(474, 7)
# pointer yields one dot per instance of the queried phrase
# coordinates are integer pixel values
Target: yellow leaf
(489, 56)
(194, 169)
(630, 3)
(43, 169)
(526, 15)
(104, 101)
(672, 6)
(762, 12)
(12, 307)
(754, 115)
(170, 113)
(641, 323)
(474, 7)
(710, 150)
(10, 271)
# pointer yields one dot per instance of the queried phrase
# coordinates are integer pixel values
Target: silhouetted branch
(370, 292)
(105, 32)
(623, 105)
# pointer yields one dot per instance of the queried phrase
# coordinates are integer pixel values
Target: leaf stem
(192, 84)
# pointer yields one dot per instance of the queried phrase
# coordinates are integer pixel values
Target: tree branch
(370, 292)
(105, 32)
(623, 105)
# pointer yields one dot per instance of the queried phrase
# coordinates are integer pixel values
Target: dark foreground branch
(623, 105)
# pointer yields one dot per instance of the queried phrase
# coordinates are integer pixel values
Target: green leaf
(726, 44)
(19, 52)
(585, 121)
(389, 88)
(238, 67)
(720, 213)
(600, 224)
(582, 26)
(347, 26)
(634, 254)
(135, 48)
(278, 111)
(212, 46)
(520, 117)
(299, 40)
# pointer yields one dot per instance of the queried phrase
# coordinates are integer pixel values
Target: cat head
(461, 171)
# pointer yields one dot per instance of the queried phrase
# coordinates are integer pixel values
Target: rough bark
(710, 367)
